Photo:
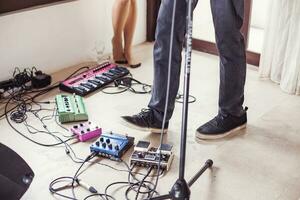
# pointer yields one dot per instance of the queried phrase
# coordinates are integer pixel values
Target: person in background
(228, 19)
(124, 15)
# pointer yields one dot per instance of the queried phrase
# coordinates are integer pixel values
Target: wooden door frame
(202, 45)
(152, 12)
(16, 5)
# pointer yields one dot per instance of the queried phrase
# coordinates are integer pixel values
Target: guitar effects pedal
(144, 155)
(112, 146)
(86, 131)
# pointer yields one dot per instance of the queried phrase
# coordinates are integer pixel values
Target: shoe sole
(152, 130)
(200, 136)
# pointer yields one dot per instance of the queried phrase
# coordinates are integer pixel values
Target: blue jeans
(228, 20)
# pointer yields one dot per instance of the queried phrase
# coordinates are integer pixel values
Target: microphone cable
(167, 95)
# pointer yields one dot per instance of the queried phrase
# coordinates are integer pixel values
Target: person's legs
(153, 117)
(129, 30)
(228, 20)
(161, 57)
(119, 17)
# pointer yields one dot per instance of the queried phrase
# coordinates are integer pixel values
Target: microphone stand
(181, 188)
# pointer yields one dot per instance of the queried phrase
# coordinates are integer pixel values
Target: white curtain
(280, 58)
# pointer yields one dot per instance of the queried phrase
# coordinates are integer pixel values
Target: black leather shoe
(146, 121)
(221, 126)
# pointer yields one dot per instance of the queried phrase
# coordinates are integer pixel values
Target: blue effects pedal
(112, 146)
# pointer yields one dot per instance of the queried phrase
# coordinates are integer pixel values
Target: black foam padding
(15, 174)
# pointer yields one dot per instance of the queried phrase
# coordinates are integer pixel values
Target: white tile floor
(261, 162)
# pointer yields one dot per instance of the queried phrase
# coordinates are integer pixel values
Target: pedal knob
(110, 146)
(117, 147)
(82, 132)
(140, 155)
(97, 144)
(103, 145)
(75, 126)
(88, 130)
(107, 141)
(101, 139)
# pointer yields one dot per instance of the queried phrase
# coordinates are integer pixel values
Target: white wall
(260, 10)
(203, 19)
(58, 36)
(258, 17)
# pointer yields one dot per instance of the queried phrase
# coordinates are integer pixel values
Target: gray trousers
(228, 20)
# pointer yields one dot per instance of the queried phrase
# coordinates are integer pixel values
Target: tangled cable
(133, 184)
